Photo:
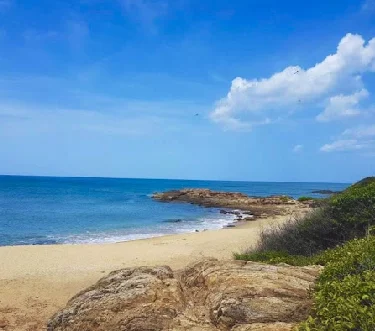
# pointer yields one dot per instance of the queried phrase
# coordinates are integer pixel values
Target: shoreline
(38, 280)
(238, 223)
(224, 224)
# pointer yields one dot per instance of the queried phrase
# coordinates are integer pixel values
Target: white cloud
(361, 131)
(345, 145)
(297, 148)
(340, 106)
(285, 91)
(359, 138)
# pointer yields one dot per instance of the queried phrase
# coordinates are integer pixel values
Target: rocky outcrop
(208, 295)
(273, 205)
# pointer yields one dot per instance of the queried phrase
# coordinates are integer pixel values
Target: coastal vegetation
(303, 199)
(340, 236)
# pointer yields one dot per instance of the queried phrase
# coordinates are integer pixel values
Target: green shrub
(274, 257)
(344, 297)
(301, 236)
(364, 182)
(352, 258)
(342, 217)
(344, 305)
(302, 199)
(355, 209)
(285, 198)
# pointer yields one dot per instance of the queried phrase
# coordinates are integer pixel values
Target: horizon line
(182, 179)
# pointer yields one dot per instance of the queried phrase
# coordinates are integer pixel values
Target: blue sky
(284, 90)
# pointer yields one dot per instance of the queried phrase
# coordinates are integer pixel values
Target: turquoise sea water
(53, 210)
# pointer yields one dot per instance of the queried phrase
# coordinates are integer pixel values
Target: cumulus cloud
(346, 145)
(340, 106)
(359, 138)
(335, 82)
(297, 148)
(361, 131)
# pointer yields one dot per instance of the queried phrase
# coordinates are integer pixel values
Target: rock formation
(206, 296)
(273, 205)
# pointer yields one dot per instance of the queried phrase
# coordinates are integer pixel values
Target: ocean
(57, 210)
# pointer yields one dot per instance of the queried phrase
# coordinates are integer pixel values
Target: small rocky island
(257, 206)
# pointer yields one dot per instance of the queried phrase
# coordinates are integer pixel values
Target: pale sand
(36, 281)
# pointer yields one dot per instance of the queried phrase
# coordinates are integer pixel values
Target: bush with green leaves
(342, 217)
(354, 209)
(302, 199)
(274, 257)
(344, 297)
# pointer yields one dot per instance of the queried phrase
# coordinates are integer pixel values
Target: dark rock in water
(45, 242)
(222, 211)
(247, 213)
(173, 220)
(325, 192)
(209, 295)
(196, 230)
(230, 226)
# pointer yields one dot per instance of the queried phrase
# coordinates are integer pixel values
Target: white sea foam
(216, 221)
(105, 238)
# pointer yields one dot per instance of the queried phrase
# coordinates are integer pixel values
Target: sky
(252, 90)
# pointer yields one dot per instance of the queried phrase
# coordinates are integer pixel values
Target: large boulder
(208, 295)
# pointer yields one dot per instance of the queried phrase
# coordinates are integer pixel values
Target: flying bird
(196, 114)
(296, 72)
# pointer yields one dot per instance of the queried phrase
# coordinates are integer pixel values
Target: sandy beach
(36, 281)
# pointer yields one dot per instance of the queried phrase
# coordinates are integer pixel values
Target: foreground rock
(273, 205)
(208, 295)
